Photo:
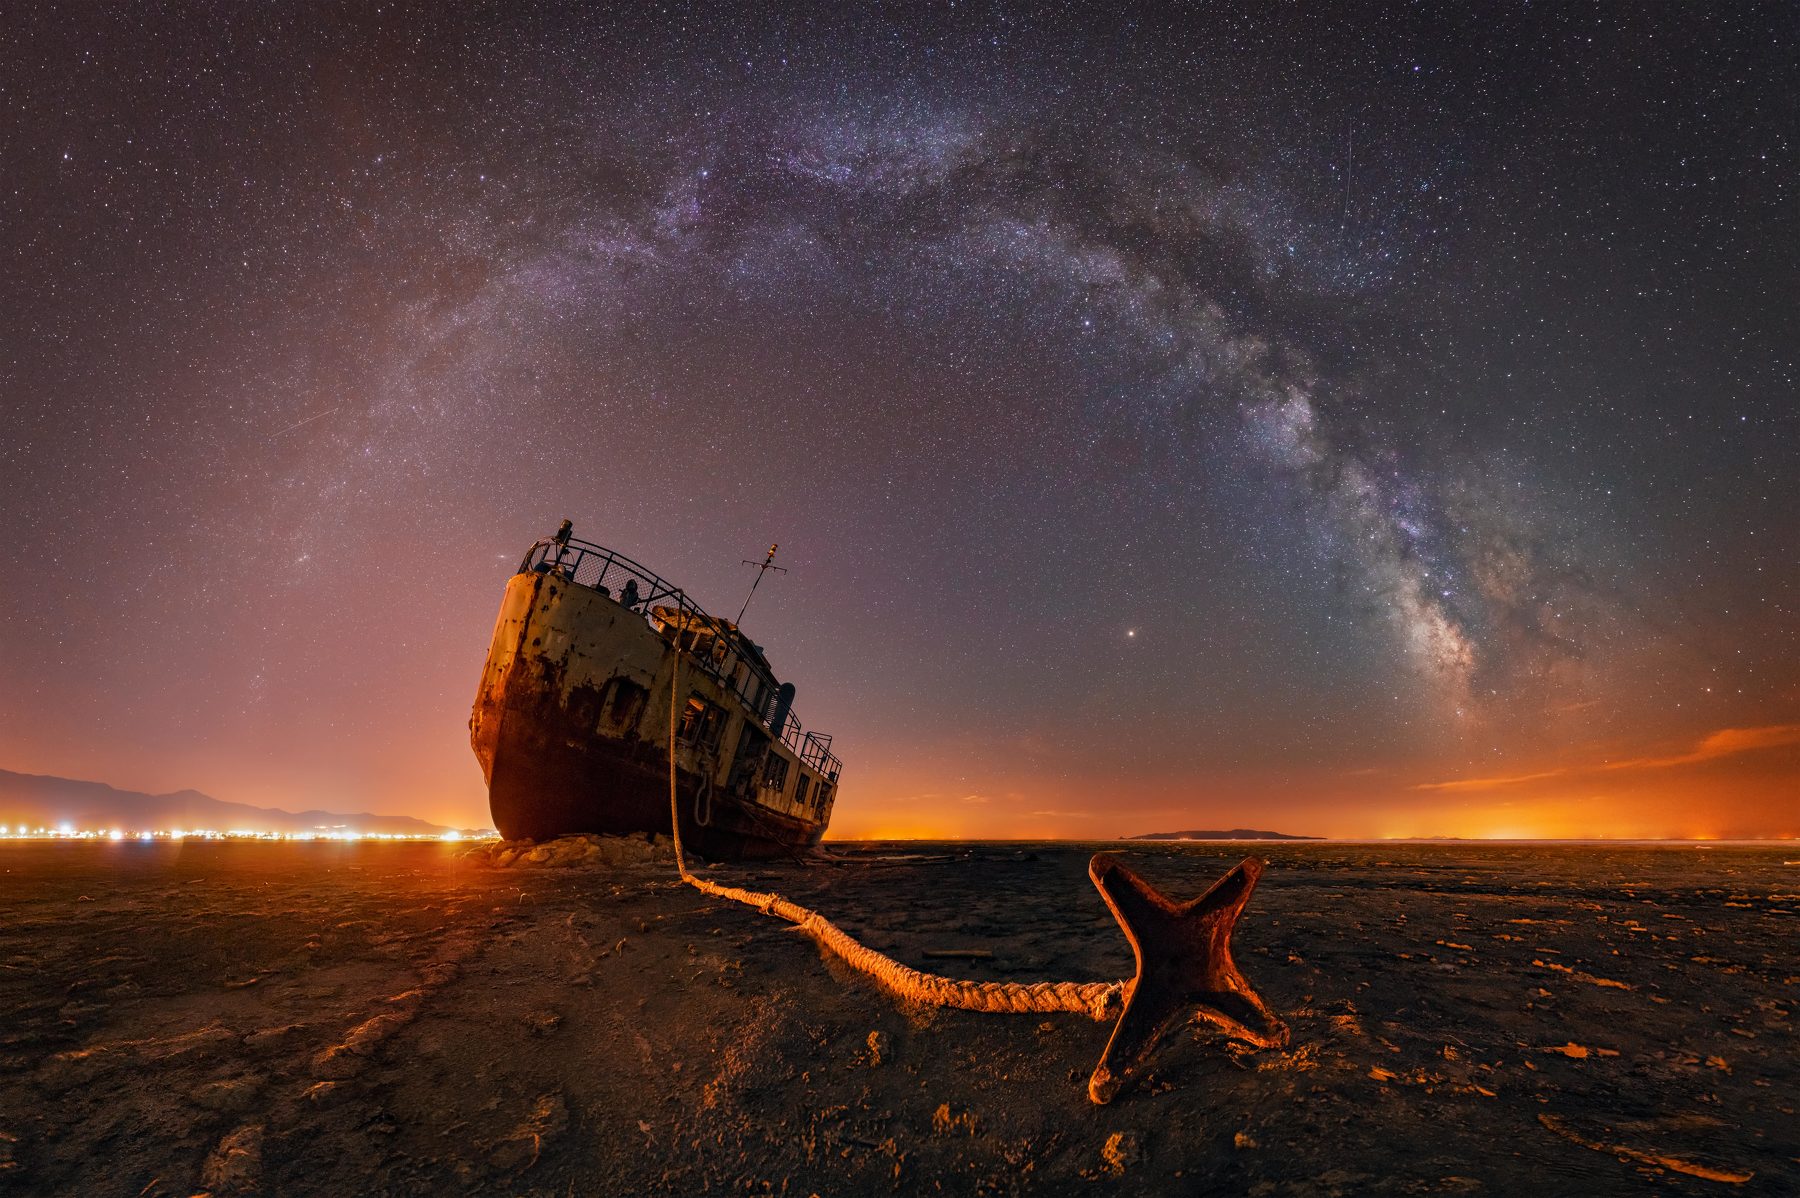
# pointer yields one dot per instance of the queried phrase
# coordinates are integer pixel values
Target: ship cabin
(737, 729)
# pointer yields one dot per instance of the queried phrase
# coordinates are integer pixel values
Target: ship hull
(571, 727)
(546, 782)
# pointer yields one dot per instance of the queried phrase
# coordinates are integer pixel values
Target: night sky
(1368, 423)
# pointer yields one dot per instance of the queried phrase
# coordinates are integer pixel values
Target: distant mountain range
(1232, 834)
(42, 801)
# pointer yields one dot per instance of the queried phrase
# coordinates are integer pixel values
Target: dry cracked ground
(244, 1018)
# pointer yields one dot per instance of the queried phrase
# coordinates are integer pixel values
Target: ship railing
(618, 577)
(644, 591)
(812, 748)
(607, 572)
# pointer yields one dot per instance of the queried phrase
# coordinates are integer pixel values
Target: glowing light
(453, 835)
(115, 834)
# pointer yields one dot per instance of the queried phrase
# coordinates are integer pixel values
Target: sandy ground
(411, 1019)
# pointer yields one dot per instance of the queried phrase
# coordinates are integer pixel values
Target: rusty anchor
(1183, 953)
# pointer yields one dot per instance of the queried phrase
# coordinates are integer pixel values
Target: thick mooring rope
(1097, 1000)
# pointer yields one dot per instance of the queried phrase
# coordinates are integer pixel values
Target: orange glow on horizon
(1730, 784)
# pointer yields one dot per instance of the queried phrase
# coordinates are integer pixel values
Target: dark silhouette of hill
(40, 800)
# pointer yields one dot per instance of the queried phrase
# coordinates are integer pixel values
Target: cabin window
(775, 773)
(702, 723)
(800, 789)
(626, 702)
(822, 794)
(691, 715)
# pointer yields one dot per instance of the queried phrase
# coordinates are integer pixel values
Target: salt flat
(413, 1018)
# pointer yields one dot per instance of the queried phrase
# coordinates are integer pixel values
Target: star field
(1166, 414)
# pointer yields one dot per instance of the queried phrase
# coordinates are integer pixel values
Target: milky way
(1426, 401)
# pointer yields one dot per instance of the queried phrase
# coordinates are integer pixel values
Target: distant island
(1232, 834)
(30, 801)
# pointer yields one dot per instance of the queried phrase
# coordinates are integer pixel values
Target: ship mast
(762, 567)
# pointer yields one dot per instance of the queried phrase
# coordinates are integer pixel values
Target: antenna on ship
(762, 567)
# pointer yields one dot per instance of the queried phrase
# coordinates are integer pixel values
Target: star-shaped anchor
(1184, 960)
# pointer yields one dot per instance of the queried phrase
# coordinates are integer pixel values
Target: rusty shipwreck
(571, 721)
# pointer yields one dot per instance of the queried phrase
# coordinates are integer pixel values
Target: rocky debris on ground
(346, 1058)
(1121, 1151)
(520, 1149)
(946, 1121)
(326, 1094)
(236, 1164)
(586, 850)
(229, 1096)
